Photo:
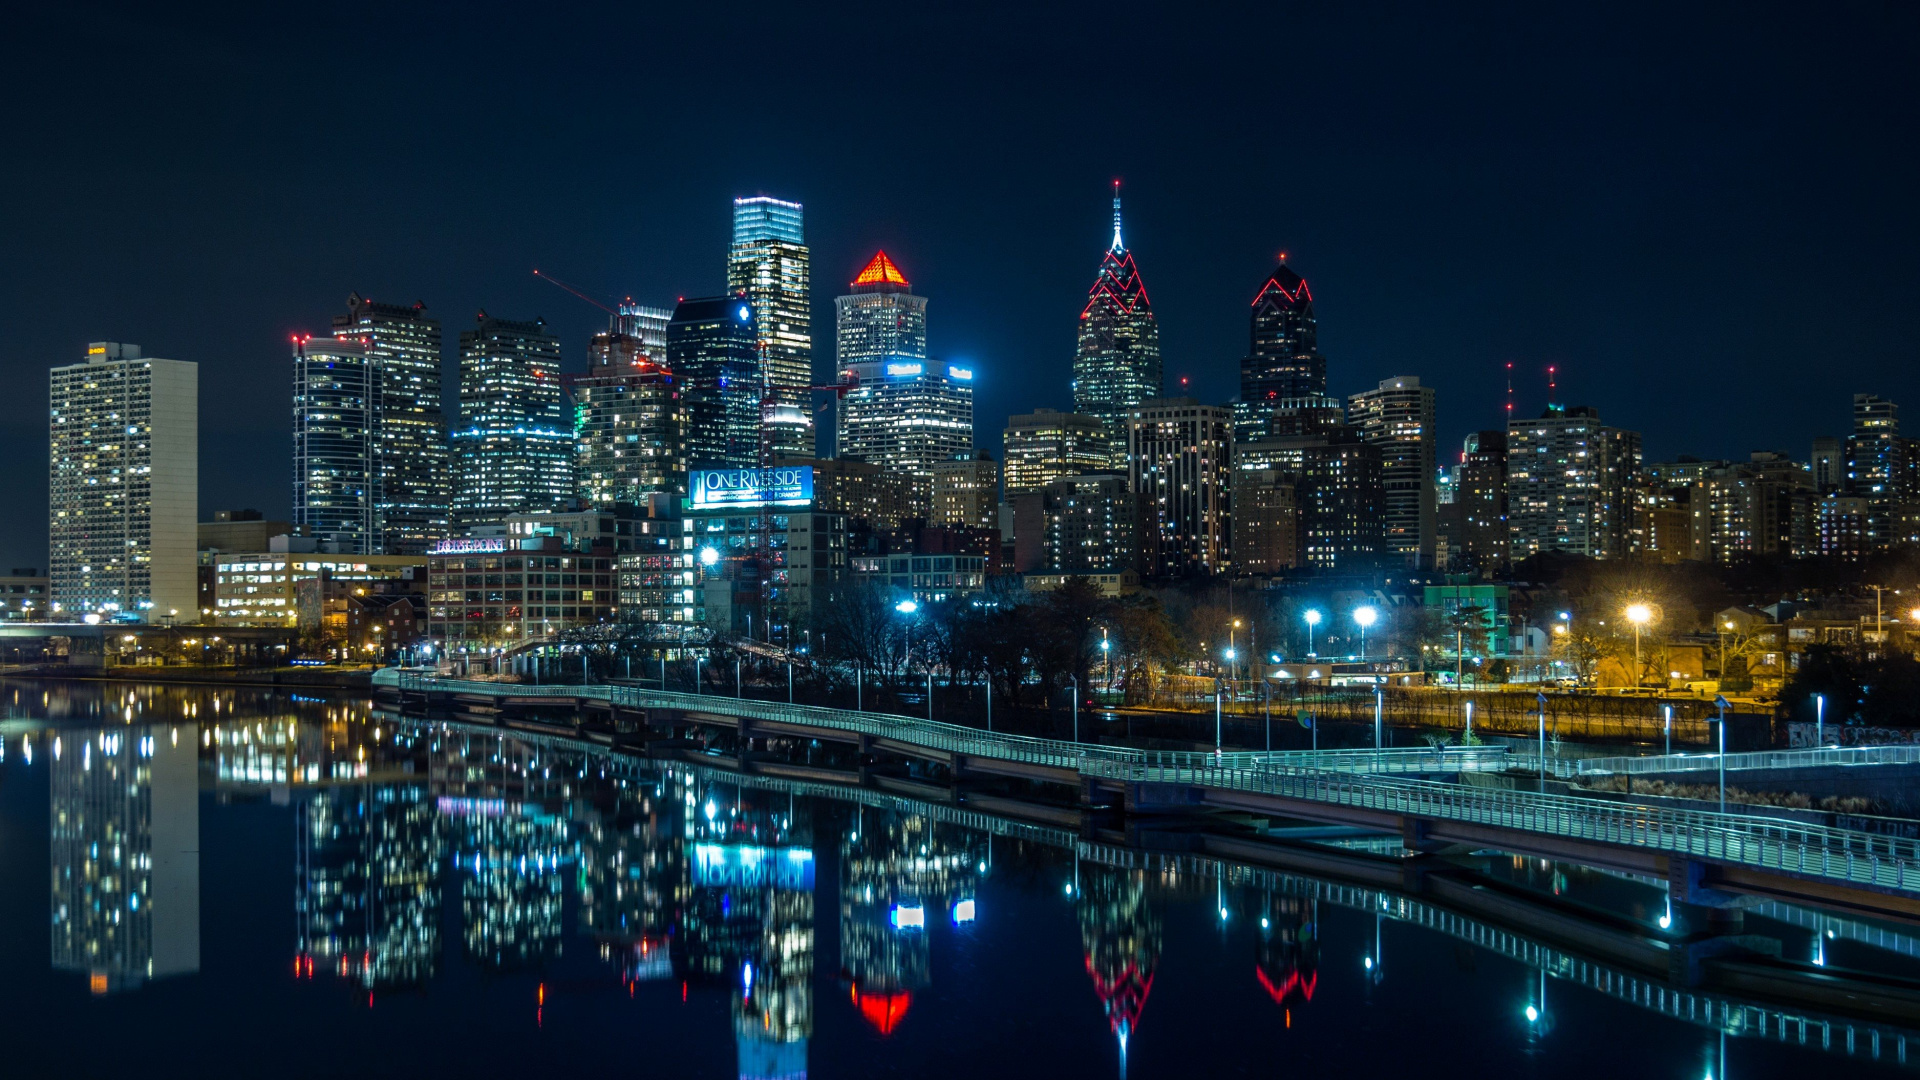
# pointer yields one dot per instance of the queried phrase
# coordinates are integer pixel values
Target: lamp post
(1312, 618)
(1540, 700)
(1366, 616)
(1639, 615)
(1720, 702)
(1819, 721)
(1379, 708)
(1106, 654)
(1076, 708)
(1666, 724)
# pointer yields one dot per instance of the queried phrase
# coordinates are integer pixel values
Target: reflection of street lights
(1366, 616)
(1313, 619)
(1639, 615)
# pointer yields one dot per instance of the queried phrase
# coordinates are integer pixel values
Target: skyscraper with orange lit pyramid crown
(1116, 364)
(905, 412)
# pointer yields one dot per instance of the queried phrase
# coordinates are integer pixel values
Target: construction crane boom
(574, 291)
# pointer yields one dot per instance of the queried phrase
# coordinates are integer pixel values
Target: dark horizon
(1695, 217)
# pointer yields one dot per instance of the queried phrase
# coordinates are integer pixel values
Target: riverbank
(343, 680)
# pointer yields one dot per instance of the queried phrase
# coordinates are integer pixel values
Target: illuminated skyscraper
(1180, 457)
(1046, 444)
(1116, 364)
(629, 420)
(514, 448)
(1570, 484)
(906, 412)
(1397, 417)
(713, 349)
(1283, 360)
(123, 486)
(412, 480)
(966, 492)
(125, 845)
(333, 442)
(770, 264)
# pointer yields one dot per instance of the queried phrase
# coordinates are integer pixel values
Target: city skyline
(1447, 230)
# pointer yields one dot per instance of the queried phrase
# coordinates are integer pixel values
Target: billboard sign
(788, 485)
(469, 545)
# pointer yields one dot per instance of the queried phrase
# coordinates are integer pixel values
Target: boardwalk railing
(1764, 759)
(1089, 759)
(1337, 778)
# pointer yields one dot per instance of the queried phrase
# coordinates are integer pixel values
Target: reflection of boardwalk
(1730, 852)
(1721, 1012)
(1626, 963)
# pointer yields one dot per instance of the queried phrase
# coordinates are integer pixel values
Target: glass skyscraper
(769, 262)
(1116, 364)
(905, 412)
(411, 479)
(713, 348)
(1283, 363)
(333, 442)
(514, 448)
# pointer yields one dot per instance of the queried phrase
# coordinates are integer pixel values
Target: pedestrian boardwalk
(1360, 780)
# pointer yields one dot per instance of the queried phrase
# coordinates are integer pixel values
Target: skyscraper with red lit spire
(1116, 364)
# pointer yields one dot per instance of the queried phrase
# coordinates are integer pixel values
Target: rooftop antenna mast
(1553, 384)
(1509, 393)
(1117, 245)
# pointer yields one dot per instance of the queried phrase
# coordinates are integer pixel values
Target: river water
(248, 884)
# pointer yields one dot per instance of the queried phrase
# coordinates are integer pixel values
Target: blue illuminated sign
(724, 866)
(785, 486)
(964, 374)
(898, 370)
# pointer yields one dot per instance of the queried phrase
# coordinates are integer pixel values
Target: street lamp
(1366, 616)
(1313, 619)
(1639, 615)
(1106, 653)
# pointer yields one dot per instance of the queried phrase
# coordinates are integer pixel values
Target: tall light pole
(1106, 654)
(1819, 721)
(1366, 616)
(1720, 702)
(1312, 617)
(1639, 615)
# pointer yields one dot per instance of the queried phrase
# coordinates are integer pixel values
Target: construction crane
(576, 292)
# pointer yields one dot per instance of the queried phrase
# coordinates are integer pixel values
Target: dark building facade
(714, 349)
(1482, 498)
(1283, 360)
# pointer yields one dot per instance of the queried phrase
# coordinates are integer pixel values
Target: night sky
(1706, 218)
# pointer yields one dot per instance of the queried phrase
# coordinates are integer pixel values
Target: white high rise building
(124, 487)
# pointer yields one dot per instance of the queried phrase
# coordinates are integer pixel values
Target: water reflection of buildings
(749, 918)
(633, 874)
(1120, 934)
(1286, 960)
(367, 902)
(125, 843)
(506, 802)
(897, 872)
